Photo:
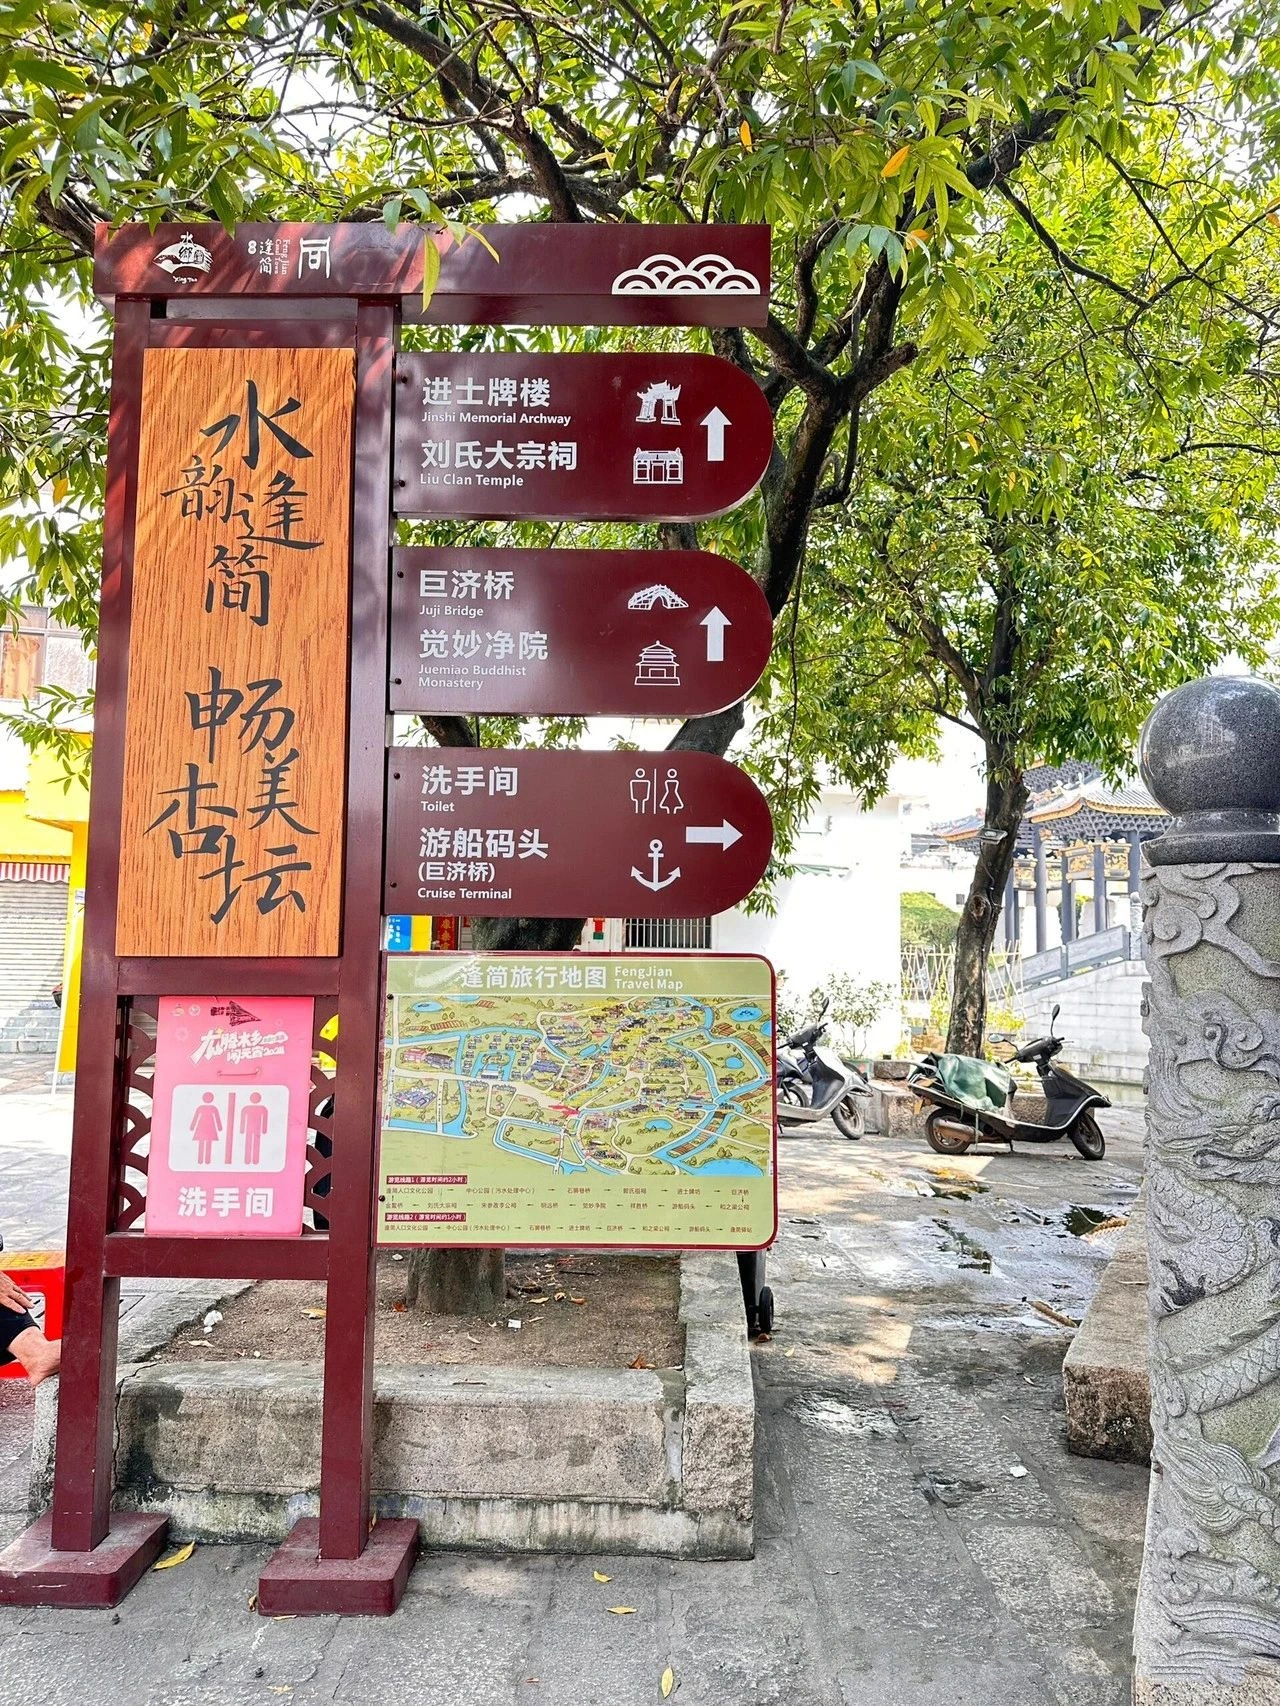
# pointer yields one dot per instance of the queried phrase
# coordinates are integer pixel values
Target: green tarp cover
(978, 1084)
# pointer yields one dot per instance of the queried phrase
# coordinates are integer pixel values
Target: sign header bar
(548, 275)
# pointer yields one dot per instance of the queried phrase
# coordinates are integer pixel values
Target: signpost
(554, 834)
(582, 633)
(589, 1100)
(584, 437)
(256, 459)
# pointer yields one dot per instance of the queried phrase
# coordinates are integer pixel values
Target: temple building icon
(658, 468)
(657, 667)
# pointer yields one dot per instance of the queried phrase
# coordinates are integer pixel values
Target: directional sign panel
(585, 633)
(581, 437)
(562, 834)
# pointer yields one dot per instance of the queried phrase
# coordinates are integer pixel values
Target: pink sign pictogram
(229, 1118)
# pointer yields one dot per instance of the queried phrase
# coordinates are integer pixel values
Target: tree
(883, 145)
(1051, 536)
(926, 922)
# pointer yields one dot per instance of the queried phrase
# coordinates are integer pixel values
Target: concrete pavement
(923, 1536)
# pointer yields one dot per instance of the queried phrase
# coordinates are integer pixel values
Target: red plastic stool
(44, 1271)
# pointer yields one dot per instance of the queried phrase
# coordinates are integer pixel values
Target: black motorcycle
(814, 1083)
(952, 1127)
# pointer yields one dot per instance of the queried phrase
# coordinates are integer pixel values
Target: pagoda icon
(657, 667)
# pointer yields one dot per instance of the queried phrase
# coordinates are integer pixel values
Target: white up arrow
(723, 834)
(715, 424)
(715, 622)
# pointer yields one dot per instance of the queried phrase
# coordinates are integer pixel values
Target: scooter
(952, 1127)
(814, 1082)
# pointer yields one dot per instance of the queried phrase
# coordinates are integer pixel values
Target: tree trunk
(1006, 799)
(457, 1282)
(474, 1282)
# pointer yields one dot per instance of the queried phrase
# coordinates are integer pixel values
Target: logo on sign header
(667, 275)
(184, 260)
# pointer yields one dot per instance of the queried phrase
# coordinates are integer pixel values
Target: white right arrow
(722, 833)
(715, 622)
(715, 424)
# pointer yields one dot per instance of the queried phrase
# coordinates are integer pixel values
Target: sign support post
(334, 1563)
(101, 1555)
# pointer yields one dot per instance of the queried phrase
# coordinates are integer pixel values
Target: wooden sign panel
(231, 831)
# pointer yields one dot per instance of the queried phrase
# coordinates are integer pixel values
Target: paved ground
(923, 1536)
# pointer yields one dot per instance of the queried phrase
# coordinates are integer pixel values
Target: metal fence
(927, 974)
(677, 934)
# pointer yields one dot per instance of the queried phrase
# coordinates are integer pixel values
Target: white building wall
(1101, 1021)
(840, 913)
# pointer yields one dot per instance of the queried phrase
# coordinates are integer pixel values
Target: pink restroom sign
(229, 1118)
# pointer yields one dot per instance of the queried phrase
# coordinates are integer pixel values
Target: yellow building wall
(62, 809)
(22, 837)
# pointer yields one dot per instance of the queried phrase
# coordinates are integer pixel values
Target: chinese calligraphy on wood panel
(231, 835)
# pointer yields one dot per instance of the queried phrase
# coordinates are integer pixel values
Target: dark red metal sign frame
(227, 290)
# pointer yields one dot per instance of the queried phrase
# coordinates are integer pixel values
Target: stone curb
(608, 1460)
(1105, 1378)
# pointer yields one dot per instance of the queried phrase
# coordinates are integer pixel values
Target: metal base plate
(298, 1581)
(32, 1573)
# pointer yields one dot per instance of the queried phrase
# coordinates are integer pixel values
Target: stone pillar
(1042, 890)
(1207, 1630)
(1099, 886)
(1068, 904)
(1135, 861)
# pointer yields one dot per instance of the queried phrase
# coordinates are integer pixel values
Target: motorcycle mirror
(1053, 1017)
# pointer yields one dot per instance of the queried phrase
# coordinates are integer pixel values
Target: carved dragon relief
(1211, 1587)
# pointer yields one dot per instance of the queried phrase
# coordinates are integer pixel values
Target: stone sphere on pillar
(1210, 755)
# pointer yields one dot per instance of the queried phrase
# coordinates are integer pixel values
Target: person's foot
(40, 1357)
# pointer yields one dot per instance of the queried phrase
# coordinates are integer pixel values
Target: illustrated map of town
(580, 1099)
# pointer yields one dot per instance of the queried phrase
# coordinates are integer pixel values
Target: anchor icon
(655, 859)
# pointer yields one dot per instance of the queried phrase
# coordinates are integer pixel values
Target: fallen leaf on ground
(315, 1314)
(573, 1299)
(639, 1362)
(560, 1297)
(539, 1300)
(400, 1307)
(668, 1682)
(1017, 1470)
(178, 1557)
(284, 1617)
(790, 1353)
(764, 1338)
(601, 1578)
(622, 1610)
(279, 1688)
(252, 1603)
